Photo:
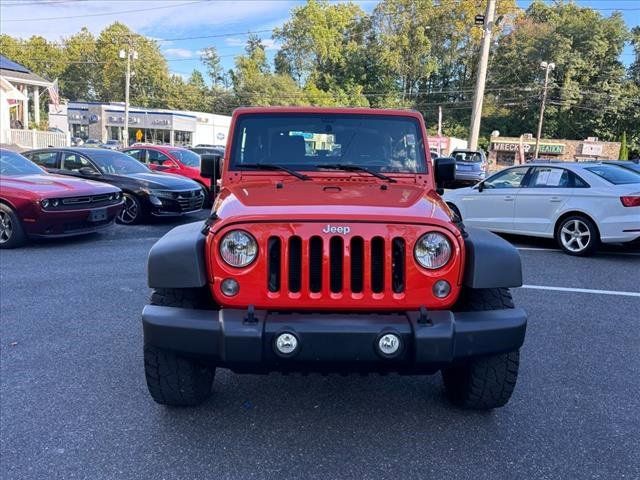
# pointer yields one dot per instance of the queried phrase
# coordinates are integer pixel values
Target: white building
(105, 121)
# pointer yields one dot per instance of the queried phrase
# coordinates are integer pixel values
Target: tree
(78, 80)
(211, 60)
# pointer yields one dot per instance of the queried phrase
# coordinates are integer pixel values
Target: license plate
(464, 167)
(98, 215)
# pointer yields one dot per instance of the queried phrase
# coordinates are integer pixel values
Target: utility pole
(478, 95)
(547, 68)
(129, 54)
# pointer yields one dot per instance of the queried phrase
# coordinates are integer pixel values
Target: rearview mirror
(88, 171)
(445, 170)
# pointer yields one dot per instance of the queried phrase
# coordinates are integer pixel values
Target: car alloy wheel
(130, 211)
(575, 235)
(6, 227)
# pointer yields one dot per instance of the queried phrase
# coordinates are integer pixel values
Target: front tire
(11, 232)
(131, 212)
(488, 381)
(577, 235)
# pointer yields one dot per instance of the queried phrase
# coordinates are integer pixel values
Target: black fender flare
(491, 261)
(177, 260)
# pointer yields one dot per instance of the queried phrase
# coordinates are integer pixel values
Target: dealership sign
(548, 148)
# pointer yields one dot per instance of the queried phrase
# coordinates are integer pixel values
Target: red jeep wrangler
(328, 249)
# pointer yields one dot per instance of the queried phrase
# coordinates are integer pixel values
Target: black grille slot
(274, 258)
(357, 264)
(295, 264)
(315, 264)
(190, 200)
(377, 264)
(398, 249)
(336, 252)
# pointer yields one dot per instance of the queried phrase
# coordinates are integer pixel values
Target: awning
(10, 92)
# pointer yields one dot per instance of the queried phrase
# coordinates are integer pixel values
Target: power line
(136, 10)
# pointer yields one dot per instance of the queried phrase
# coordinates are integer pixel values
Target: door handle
(508, 198)
(555, 200)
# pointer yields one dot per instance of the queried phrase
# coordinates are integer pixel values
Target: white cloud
(178, 53)
(235, 41)
(183, 76)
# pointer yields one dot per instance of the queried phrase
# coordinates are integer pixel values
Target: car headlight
(44, 203)
(238, 248)
(432, 250)
(161, 193)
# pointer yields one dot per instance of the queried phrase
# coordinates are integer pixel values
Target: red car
(177, 160)
(329, 249)
(34, 203)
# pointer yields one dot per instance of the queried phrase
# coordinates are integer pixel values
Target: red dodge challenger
(34, 203)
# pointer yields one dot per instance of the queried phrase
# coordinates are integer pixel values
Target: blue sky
(175, 23)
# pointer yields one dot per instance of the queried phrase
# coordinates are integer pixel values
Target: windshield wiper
(347, 167)
(273, 166)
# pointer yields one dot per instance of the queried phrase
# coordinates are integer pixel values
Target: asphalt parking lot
(74, 403)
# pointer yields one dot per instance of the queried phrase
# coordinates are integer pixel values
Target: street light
(547, 67)
(129, 54)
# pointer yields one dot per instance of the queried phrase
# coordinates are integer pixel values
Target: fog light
(441, 288)
(229, 287)
(389, 344)
(286, 343)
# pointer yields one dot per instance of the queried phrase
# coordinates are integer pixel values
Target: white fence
(37, 139)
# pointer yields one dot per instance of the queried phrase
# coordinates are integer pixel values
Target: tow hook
(251, 315)
(424, 319)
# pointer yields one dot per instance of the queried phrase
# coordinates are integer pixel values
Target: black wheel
(131, 212)
(484, 382)
(455, 210)
(11, 233)
(577, 235)
(171, 379)
(174, 380)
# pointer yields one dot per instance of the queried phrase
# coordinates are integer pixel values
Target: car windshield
(117, 163)
(186, 157)
(473, 157)
(306, 142)
(615, 174)
(13, 164)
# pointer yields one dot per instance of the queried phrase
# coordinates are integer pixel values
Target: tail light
(630, 200)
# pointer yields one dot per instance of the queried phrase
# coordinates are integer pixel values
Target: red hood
(329, 200)
(51, 185)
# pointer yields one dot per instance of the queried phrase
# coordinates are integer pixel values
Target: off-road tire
(198, 298)
(176, 381)
(484, 382)
(17, 236)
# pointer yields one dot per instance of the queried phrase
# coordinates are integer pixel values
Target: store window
(182, 138)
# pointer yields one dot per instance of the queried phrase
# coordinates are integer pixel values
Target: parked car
(579, 204)
(471, 166)
(77, 141)
(332, 262)
(209, 145)
(628, 164)
(92, 142)
(145, 192)
(176, 160)
(112, 144)
(34, 203)
(208, 150)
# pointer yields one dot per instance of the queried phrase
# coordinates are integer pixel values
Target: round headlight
(238, 248)
(55, 202)
(432, 250)
(44, 203)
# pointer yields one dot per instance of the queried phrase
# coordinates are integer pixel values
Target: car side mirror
(88, 171)
(211, 167)
(445, 170)
(169, 164)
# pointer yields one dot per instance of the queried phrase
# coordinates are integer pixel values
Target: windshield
(307, 141)
(13, 164)
(116, 163)
(615, 174)
(186, 157)
(474, 157)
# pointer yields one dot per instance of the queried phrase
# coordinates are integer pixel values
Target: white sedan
(579, 204)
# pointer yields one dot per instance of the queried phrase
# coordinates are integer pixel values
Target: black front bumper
(242, 342)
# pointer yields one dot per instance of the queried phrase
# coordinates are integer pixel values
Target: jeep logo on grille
(342, 230)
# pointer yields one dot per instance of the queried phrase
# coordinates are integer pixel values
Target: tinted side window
(137, 154)
(578, 182)
(549, 177)
(74, 162)
(511, 178)
(157, 158)
(45, 159)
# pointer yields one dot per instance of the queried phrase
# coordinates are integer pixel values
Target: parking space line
(542, 249)
(583, 290)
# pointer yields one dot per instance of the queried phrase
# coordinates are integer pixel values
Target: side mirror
(210, 166)
(480, 186)
(88, 171)
(445, 170)
(169, 164)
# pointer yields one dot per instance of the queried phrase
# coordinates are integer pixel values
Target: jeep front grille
(365, 258)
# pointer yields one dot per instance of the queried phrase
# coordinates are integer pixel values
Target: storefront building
(106, 122)
(505, 151)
